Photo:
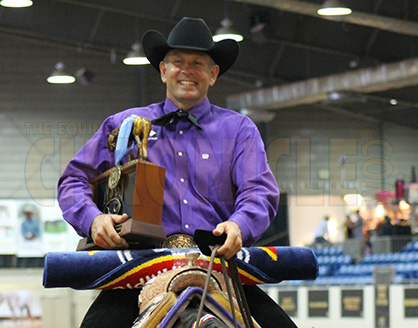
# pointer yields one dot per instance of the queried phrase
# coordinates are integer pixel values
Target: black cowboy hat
(190, 33)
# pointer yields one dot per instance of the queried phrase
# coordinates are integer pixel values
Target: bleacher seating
(335, 268)
(411, 247)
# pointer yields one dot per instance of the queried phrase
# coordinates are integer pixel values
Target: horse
(141, 128)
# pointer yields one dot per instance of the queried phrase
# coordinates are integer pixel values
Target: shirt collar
(198, 111)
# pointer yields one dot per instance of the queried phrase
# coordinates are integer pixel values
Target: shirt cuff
(245, 231)
(90, 214)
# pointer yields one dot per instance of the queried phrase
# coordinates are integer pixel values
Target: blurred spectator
(31, 229)
(321, 232)
(386, 229)
(358, 226)
(402, 228)
(348, 227)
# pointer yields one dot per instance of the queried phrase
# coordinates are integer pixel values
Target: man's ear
(213, 75)
(162, 72)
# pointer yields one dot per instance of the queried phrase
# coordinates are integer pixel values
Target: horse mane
(188, 317)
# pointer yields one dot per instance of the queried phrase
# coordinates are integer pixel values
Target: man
(386, 228)
(30, 227)
(358, 226)
(217, 176)
(321, 232)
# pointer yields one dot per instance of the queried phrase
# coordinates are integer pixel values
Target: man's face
(188, 74)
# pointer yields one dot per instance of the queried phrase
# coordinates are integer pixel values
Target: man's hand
(104, 233)
(233, 241)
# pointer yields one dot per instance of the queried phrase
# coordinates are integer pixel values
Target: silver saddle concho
(161, 294)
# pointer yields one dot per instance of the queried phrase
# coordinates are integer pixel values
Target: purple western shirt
(212, 176)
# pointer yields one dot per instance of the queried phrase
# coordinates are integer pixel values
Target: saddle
(165, 297)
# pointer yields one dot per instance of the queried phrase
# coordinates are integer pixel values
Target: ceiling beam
(357, 18)
(374, 79)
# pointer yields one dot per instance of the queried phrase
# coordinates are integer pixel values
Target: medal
(114, 177)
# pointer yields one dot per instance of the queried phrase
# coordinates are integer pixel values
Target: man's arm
(257, 193)
(75, 195)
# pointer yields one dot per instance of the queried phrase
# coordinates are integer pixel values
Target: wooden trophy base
(138, 191)
(139, 235)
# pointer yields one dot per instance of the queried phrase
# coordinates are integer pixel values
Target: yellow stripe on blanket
(147, 264)
(242, 273)
(271, 251)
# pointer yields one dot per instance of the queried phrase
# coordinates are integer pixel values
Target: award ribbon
(123, 138)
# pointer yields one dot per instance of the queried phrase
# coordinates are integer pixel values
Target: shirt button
(181, 132)
(181, 180)
(180, 153)
(186, 226)
(185, 201)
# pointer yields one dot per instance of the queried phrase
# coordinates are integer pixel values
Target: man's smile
(187, 82)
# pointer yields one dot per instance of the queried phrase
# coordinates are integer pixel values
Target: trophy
(135, 188)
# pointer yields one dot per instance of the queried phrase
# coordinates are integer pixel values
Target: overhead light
(84, 76)
(393, 102)
(227, 32)
(136, 56)
(258, 24)
(16, 3)
(353, 63)
(59, 76)
(344, 97)
(334, 8)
